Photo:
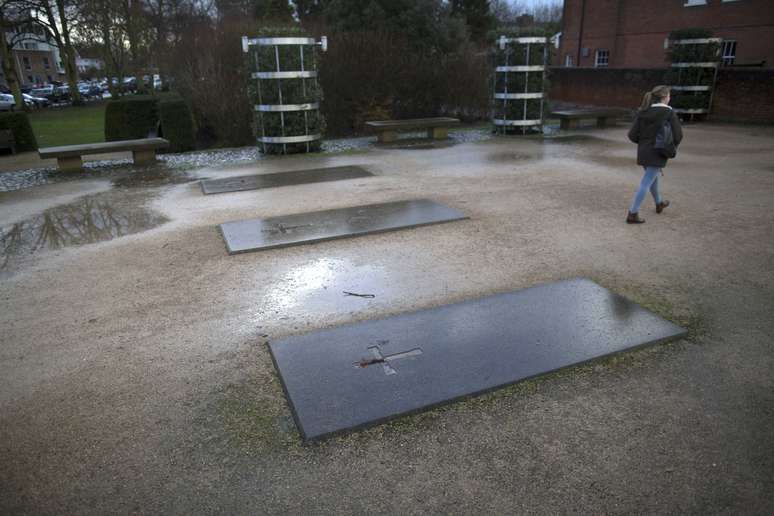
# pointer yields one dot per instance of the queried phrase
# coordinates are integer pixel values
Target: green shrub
(177, 124)
(690, 100)
(693, 52)
(691, 76)
(516, 54)
(130, 118)
(285, 91)
(19, 124)
(692, 33)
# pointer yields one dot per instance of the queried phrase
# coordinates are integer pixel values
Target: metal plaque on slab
(305, 228)
(345, 378)
(293, 178)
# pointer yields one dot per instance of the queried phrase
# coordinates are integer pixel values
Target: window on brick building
(567, 60)
(728, 52)
(690, 3)
(45, 63)
(602, 58)
(26, 63)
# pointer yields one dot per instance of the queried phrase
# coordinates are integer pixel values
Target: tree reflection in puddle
(93, 218)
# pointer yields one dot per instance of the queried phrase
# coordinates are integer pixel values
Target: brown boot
(634, 218)
(660, 206)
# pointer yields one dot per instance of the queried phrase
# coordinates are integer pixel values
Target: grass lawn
(69, 125)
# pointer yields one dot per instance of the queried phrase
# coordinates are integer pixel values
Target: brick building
(633, 33)
(36, 59)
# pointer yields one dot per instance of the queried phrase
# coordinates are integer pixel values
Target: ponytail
(659, 92)
(646, 101)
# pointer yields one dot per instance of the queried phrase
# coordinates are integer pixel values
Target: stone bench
(437, 128)
(68, 157)
(570, 118)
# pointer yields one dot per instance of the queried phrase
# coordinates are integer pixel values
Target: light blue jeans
(649, 182)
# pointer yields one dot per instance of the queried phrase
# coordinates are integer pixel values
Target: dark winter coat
(643, 133)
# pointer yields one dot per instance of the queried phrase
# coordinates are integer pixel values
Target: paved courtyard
(135, 375)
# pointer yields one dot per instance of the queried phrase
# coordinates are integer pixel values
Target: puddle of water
(417, 144)
(511, 157)
(90, 219)
(573, 139)
(122, 173)
(615, 161)
(324, 285)
(174, 168)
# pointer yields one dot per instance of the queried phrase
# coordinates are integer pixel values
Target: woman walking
(653, 113)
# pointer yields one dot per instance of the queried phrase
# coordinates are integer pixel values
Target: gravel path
(135, 376)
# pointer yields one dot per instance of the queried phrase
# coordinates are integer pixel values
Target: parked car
(90, 91)
(35, 102)
(45, 92)
(61, 94)
(7, 103)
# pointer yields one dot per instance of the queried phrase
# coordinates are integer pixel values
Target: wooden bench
(7, 141)
(570, 118)
(68, 157)
(437, 128)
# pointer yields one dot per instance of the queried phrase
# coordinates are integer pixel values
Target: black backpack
(664, 144)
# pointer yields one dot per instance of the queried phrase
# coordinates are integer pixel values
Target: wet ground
(135, 377)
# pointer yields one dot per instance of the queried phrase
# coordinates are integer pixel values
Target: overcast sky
(531, 3)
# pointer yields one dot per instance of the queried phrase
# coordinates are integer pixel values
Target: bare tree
(100, 22)
(57, 17)
(134, 24)
(10, 19)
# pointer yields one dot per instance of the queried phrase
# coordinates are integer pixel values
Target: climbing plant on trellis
(695, 62)
(519, 83)
(285, 92)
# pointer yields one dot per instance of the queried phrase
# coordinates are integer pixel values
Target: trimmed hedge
(177, 124)
(515, 54)
(290, 91)
(19, 124)
(129, 118)
(138, 116)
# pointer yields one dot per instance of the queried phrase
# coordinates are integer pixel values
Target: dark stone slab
(296, 177)
(305, 228)
(345, 378)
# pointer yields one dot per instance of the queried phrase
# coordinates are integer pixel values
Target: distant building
(634, 33)
(36, 57)
(85, 64)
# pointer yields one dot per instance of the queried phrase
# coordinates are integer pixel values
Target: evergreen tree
(274, 11)
(427, 24)
(306, 9)
(477, 15)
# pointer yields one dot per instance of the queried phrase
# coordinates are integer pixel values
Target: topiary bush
(19, 124)
(690, 99)
(130, 118)
(285, 91)
(520, 54)
(177, 124)
(690, 55)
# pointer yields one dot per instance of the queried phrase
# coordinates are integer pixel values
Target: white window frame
(568, 61)
(693, 3)
(728, 59)
(597, 61)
